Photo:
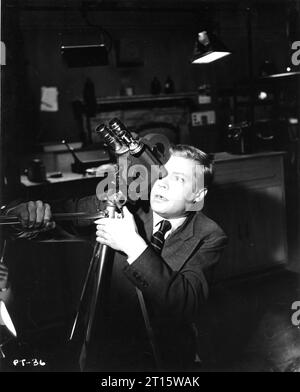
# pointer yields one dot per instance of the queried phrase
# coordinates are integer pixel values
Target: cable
(103, 33)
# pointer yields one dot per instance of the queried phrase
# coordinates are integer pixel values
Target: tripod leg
(87, 278)
(149, 329)
(100, 257)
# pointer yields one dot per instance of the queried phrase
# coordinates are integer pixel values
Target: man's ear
(200, 195)
(198, 201)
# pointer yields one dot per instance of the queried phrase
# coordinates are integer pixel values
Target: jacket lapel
(145, 224)
(181, 243)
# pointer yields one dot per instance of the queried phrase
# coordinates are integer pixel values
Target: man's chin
(158, 207)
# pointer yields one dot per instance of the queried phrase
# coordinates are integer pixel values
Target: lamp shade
(208, 48)
(85, 55)
(6, 320)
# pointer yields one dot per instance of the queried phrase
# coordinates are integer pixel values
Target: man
(168, 254)
(4, 290)
(5, 296)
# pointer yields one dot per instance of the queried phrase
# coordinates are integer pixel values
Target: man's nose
(163, 182)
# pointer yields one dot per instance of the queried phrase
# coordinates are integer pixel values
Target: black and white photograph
(149, 189)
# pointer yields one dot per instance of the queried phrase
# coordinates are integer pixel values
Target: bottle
(89, 98)
(204, 94)
(155, 87)
(169, 86)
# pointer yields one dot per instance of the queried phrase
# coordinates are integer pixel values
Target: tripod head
(142, 158)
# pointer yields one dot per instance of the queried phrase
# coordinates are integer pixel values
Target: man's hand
(5, 291)
(33, 215)
(121, 234)
(3, 276)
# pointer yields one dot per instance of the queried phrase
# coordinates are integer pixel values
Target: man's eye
(180, 179)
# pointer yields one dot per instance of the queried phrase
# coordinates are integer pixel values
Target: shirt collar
(175, 222)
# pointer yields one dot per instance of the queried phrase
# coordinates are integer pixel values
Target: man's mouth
(160, 198)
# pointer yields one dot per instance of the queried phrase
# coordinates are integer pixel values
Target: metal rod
(102, 254)
(3, 252)
(149, 329)
(250, 64)
(64, 216)
(2, 355)
(176, 8)
(96, 268)
(88, 274)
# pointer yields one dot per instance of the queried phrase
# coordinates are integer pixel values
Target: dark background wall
(162, 39)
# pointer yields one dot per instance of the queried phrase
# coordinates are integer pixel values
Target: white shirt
(138, 250)
(175, 223)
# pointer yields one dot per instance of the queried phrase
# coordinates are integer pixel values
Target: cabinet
(270, 106)
(247, 199)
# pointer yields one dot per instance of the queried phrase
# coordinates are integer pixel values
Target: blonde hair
(191, 152)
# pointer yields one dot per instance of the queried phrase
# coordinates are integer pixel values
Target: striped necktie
(158, 238)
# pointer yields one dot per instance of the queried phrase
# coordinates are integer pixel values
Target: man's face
(175, 194)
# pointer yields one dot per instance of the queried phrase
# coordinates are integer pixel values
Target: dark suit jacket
(174, 285)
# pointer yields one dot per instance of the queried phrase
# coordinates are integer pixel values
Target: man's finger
(47, 213)
(103, 227)
(31, 206)
(102, 241)
(23, 213)
(129, 216)
(40, 210)
(47, 217)
(126, 212)
(102, 238)
(3, 267)
(102, 221)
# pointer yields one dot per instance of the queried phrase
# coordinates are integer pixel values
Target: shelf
(226, 156)
(257, 103)
(244, 88)
(281, 75)
(124, 102)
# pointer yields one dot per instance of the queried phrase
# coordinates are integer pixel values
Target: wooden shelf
(124, 102)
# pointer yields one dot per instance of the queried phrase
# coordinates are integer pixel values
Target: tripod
(5, 319)
(120, 141)
(94, 282)
(96, 267)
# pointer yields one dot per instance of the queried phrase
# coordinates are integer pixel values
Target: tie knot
(165, 226)
(158, 238)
